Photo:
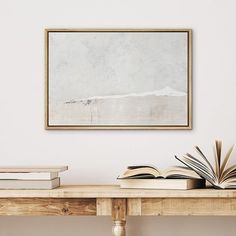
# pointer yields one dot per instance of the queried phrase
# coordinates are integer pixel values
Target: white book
(29, 176)
(29, 184)
(29, 169)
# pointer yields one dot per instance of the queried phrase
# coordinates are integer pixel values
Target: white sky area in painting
(102, 64)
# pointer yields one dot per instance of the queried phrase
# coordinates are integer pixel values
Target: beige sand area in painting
(122, 110)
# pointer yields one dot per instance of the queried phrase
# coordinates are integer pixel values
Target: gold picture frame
(53, 72)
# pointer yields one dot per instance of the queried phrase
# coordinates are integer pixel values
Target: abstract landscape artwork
(118, 79)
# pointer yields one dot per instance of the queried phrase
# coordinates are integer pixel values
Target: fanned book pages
(220, 175)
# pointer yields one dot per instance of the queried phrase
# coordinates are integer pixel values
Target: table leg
(118, 216)
(118, 228)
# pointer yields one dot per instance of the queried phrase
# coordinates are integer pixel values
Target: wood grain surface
(47, 207)
(114, 191)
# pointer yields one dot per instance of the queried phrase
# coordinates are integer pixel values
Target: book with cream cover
(30, 184)
(32, 169)
(29, 176)
(162, 183)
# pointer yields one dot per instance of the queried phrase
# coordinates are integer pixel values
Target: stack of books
(30, 177)
(150, 177)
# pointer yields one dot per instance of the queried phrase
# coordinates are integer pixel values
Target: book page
(201, 165)
(141, 166)
(140, 172)
(217, 155)
(180, 172)
(205, 159)
(198, 169)
(222, 168)
(229, 172)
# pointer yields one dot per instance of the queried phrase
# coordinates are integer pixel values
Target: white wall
(99, 156)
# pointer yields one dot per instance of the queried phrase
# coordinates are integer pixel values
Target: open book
(149, 171)
(219, 175)
(149, 177)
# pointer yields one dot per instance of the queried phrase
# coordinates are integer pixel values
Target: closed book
(162, 183)
(32, 169)
(29, 184)
(29, 176)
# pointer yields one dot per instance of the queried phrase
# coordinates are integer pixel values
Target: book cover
(162, 183)
(30, 169)
(29, 176)
(29, 184)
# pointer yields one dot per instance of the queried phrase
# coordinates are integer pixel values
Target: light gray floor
(137, 226)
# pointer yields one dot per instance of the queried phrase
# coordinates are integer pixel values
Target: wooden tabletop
(113, 191)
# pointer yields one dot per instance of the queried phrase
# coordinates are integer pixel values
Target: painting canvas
(118, 79)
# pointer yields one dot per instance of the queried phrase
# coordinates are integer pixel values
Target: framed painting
(118, 79)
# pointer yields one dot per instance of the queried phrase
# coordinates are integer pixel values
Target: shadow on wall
(101, 226)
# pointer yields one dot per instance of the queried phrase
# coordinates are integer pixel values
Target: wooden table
(110, 200)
